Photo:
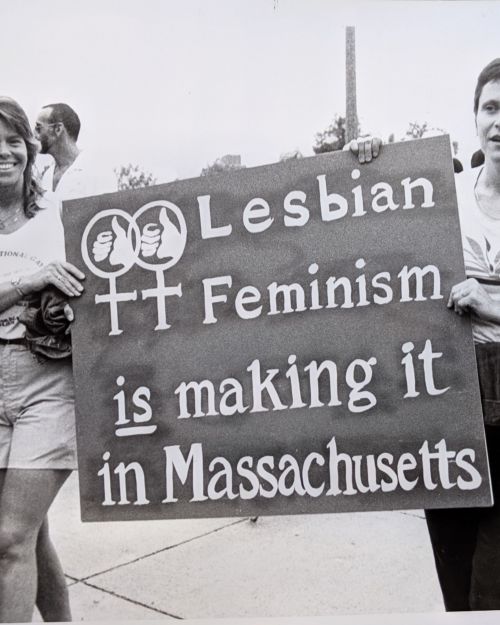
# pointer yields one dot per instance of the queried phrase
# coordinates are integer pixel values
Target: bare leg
(24, 501)
(52, 598)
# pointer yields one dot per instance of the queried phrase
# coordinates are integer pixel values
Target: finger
(65, 283)
(68, 312)
(117, 229)
(164, 217)
(376, 145)
(64, 286)
(101, 248)
(104, 237)
(361, 151)
(71, 282)
(352, 146)
(149, 240)
(462, 304)
(148, 250)
(368, 149)
(456, 291)
(453, 298)
(70, 316)
(151, 229)
(73, 270)
(459, 296)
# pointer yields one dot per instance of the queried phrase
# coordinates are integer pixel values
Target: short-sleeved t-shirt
(25, 251)
(83, 177)
(481, 246)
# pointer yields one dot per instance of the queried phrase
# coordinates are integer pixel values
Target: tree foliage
(332, 138)
(132, 177)
(416, 130)
(291, 156)
(222, 165)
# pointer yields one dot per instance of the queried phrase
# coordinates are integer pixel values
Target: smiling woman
(13, 157)
(36, 417)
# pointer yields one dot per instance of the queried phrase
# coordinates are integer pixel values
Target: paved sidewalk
(311, 565)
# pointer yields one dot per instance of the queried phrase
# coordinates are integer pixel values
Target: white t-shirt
(80, 179)
(27, 250)
(481, 246)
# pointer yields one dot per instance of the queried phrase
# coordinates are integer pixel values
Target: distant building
(228, 162)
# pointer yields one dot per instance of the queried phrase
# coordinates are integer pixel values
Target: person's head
(18, 149)
(55, 123)
(491, 73)
(487, 110)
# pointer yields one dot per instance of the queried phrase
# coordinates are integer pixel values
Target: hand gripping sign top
(153, 238)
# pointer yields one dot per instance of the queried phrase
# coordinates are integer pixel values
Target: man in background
(57, 128)
(64, 168)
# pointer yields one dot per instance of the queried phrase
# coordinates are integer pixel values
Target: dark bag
(47, 329)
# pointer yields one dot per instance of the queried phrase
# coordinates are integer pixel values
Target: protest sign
(276, 341)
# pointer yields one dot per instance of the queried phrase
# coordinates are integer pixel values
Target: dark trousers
(466, 541)
(466, 546)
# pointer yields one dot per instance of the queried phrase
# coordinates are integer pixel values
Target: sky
(171, 85)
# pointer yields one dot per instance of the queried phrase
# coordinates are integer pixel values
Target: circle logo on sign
(153, 238)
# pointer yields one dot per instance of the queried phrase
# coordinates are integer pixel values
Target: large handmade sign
(276, 340)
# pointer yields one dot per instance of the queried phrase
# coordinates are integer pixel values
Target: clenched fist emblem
(164, 239)
(153, 238)
(114, 244)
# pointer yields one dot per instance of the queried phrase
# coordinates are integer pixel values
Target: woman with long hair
(37, 437)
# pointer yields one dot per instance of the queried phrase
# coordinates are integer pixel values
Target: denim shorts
(37, 419)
